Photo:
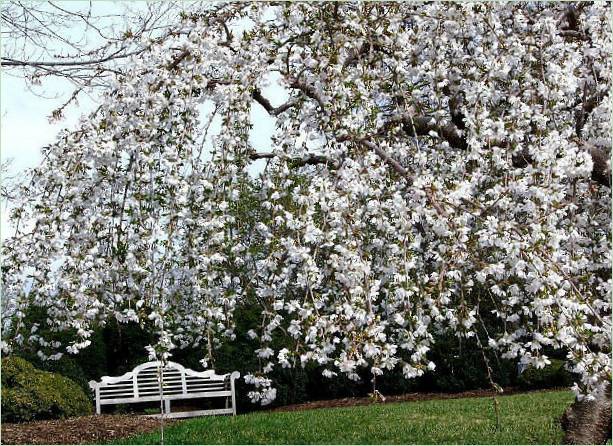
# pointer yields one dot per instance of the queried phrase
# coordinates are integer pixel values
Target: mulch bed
(80, 430)
(365, 401)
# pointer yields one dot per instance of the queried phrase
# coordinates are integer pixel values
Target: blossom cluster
(432, 160)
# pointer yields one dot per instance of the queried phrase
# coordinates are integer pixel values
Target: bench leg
(167, 406)
(97, 402)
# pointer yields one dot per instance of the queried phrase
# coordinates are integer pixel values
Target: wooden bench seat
(179, 383)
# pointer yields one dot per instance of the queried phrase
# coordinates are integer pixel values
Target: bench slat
(156, 397)
(106, 393)
(114, 392)
(204, 386)
(157, 386)
(116, 387)
(156, 390)
(194, 413)
(130, 391)
(155, 373)
(154, 379)
(156, 382)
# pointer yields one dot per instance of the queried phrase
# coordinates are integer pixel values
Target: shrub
(32, 394)
(66, 366)
(553, 375)
(90, 363)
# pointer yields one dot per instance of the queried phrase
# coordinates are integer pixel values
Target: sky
(25, 126)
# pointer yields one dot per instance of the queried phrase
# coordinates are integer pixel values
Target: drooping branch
(398, 168)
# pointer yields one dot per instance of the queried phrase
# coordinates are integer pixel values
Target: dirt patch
(79, 430)
(365, 401)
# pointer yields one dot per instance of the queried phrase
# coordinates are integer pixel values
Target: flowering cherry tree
(431, 162)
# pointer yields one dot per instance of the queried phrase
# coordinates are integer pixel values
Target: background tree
(433, 165)
(84, 43)
(8, 182)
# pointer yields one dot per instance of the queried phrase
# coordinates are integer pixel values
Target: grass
(530, 418)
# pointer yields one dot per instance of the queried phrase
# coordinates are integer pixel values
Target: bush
(553, 375)
(90, 363)
(66, 366)
(32, 394)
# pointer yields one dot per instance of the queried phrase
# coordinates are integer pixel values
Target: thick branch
(274, 111)
(588, 422)
(574, 34)
(295, 162)
(177, 60)
(601, 172)
(309, 91)
(172, 65)
(423, 126)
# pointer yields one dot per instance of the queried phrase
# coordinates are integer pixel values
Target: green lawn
(525, 419)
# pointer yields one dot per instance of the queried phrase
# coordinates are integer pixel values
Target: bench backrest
(142, 383)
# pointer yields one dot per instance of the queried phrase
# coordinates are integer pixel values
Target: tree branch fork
(415, 126)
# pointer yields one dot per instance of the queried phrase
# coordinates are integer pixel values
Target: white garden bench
(142, 385)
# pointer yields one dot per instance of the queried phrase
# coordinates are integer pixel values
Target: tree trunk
(588, 422)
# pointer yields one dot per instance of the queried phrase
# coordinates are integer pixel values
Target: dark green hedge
(32, 394)
(117, 348)
(553, 375)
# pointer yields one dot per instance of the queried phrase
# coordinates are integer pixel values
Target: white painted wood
(233, 376)
(179, 383)
(183, 383)
(194, 413)
(92, 385)
(145, 399)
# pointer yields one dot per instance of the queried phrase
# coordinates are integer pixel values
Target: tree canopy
(434, 164)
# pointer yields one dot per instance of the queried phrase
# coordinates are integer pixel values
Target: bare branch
(79, 44)
(274, 111)
(295, 162)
